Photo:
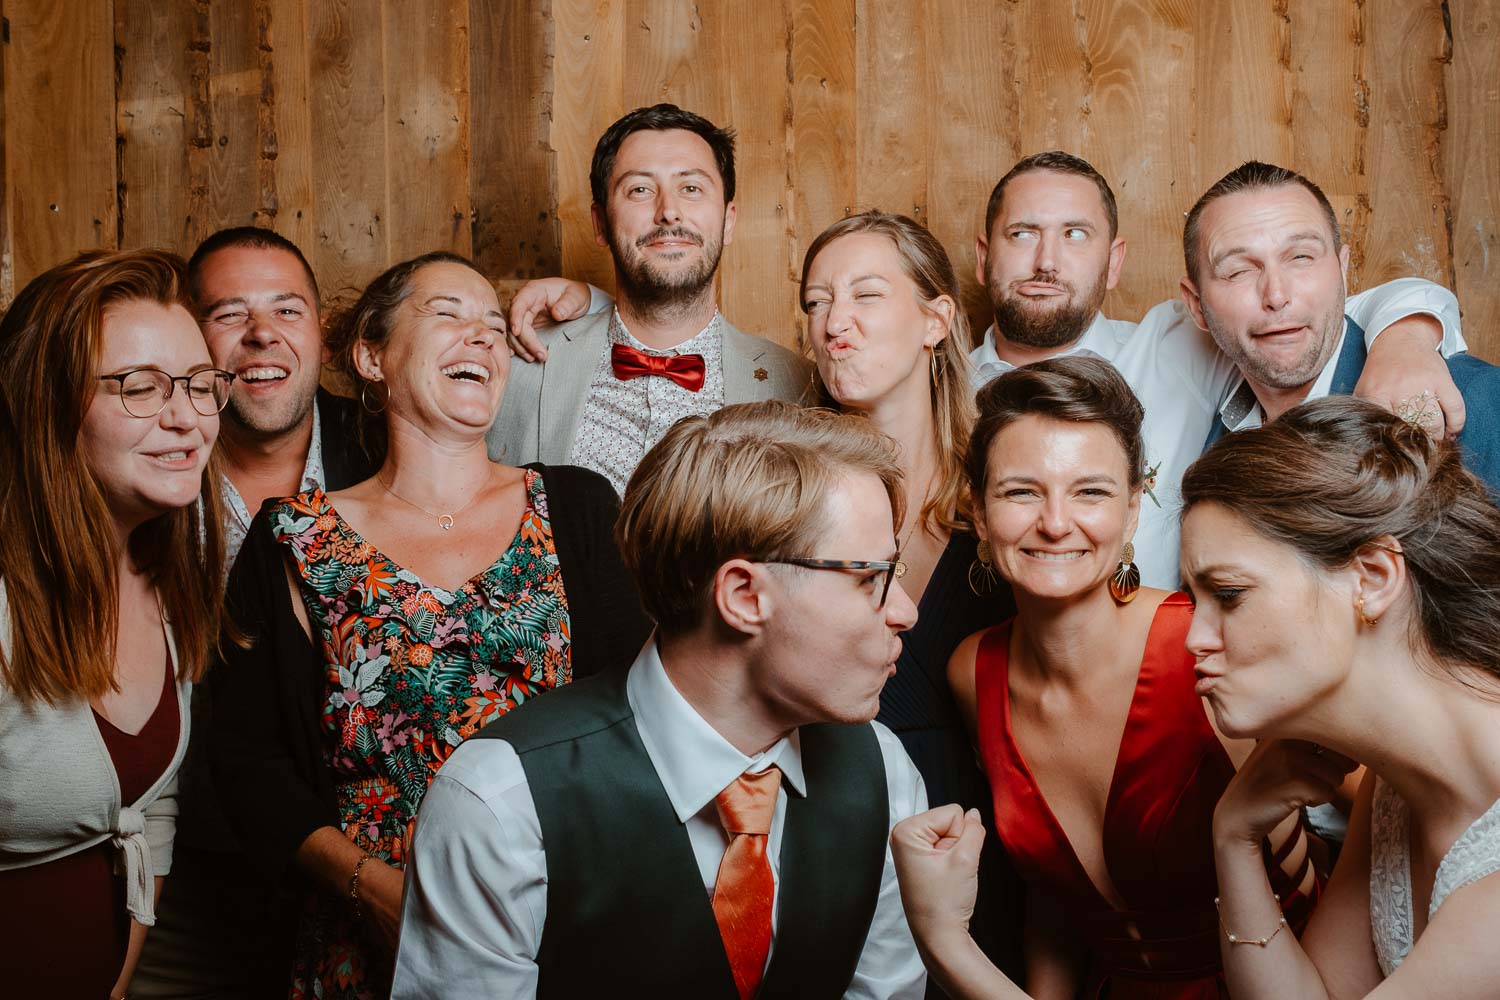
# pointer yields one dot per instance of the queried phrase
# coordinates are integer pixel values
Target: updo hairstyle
(1331, 477)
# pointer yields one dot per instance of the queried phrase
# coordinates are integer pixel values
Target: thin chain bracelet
(354, 886)
(1258, 942)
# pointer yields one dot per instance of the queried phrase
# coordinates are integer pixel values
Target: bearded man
(662, 182)
(1050, 251)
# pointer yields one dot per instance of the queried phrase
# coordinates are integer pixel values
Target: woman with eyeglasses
(399, 616)
(109, 607)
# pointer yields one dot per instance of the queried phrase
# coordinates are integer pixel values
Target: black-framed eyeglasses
(894, 569)
(144, 391)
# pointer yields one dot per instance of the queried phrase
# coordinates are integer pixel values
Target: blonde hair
(926, 263)
(749, 481)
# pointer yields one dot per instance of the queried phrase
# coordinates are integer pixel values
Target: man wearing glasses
(714, 821)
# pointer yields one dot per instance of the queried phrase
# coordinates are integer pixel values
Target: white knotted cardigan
(59, 793)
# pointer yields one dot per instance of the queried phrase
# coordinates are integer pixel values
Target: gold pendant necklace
(444, 520)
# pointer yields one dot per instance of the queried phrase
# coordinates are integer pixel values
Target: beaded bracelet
(354, 886)
(1258, 942)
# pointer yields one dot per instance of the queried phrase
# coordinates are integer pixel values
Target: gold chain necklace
(445, 521)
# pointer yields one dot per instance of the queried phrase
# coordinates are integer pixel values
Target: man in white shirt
(715, 821)
(663, 186)
(1266, 276)
(1051, 250)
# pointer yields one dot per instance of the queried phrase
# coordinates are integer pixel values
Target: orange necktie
(744, 891)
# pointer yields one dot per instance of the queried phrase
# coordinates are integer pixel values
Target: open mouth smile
(466, 371)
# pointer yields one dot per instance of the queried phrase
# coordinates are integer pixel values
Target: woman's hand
(1278, 778)
(937, 863)
(380, 901)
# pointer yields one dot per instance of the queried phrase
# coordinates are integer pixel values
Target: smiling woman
(1103, 764)
(440, 594)
(109, 609)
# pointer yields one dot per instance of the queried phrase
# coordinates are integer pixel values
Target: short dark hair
(252, 237)
(1059, 162)
(1075, 388)
(660, 118)
(1252, 175)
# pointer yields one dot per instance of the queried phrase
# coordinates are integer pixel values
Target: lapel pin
(761, 374)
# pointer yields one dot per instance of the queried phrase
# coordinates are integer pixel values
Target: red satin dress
(1158, 821)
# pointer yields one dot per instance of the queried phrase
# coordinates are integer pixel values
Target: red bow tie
(684, 369)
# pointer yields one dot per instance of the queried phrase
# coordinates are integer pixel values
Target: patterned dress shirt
(623, 419)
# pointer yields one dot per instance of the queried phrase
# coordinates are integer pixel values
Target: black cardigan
(266, 745)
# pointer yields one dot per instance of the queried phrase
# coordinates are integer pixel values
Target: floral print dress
(410, 671)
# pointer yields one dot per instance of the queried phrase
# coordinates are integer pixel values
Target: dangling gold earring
(1359, 605)
(982, 573)
(932, 364)
(1126, 580)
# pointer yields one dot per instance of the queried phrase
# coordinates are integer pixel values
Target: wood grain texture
(972, 136)
(1243, 91)
(762, 297)
(516, 230)
(60, 122)
(1471, 168)
(371, 130)
(1141, 61)
(151, 116)
(346, 75)
(588, 88)
(1407, 232)
(892, 106)
(288, 145)
(427, 126)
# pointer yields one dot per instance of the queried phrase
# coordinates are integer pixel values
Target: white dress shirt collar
(1242, 410)
(694, 762)
(1101, 340)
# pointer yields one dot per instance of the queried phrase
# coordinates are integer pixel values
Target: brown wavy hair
(58, 555)
(926, 263)
(1332, 477)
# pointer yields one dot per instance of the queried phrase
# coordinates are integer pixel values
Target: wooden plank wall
(371, 130)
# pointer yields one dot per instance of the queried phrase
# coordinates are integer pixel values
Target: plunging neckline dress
(1158, 819)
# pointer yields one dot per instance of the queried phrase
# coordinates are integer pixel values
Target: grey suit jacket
(543, 405)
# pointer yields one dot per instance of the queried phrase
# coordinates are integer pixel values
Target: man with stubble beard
(662, 181)
(1051, 250)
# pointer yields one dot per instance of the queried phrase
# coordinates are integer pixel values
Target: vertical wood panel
(1330, 116)
(346, 75)
(893, 105)
(1472, 168)
(427, 126)
(1242, 93)
(512, 168)
(589, 84)
(1051, 46)
(823, 167)
(759, 273)
(1141, 59)
(972, 135)
(290, 141)
(151, 116)
(60, 123)
(1408, 233)
(227, 189)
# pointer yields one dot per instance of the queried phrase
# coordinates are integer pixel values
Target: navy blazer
(1478, 382)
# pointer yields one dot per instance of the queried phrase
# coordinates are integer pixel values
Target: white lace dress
(1472, 856)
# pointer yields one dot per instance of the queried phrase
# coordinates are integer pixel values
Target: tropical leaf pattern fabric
(410, 671)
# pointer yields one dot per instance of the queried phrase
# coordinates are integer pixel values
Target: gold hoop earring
(1126, 581)
(1359, 605)
(983, 576)
(364, 399)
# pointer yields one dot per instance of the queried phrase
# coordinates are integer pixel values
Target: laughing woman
(438, 595)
